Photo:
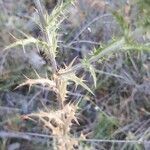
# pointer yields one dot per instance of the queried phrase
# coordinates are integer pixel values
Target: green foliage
(122, 22)
(109, 49)
(105, 126)
(77, 80)
(89, 67)
(28, 40)
(143, 15)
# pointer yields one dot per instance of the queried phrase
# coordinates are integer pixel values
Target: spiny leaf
(78, 81)
(23, 33)
(54, 19)
(41, 81)
(91, 69)
(72, 62)
(22, 42)
(114, 47)
(28, 40)
(108, 74)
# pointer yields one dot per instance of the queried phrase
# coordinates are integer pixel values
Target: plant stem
(46, 34)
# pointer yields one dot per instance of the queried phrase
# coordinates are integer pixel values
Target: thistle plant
(59, 121)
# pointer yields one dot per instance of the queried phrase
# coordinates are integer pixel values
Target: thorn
(12, 36)
(26, 77)
(36, 73)
(23, 49)
(22, 33)
(72, 62)
(37, 48)
(46, 75)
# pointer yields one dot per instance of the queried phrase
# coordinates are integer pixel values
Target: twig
(70, 47)
(87, 25)
(30, 135)
(9, 109)
(84, 41)
(33, 98)
(19, 135)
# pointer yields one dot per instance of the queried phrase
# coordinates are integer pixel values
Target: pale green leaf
(91, 69)
(22, 42)
(78, 81)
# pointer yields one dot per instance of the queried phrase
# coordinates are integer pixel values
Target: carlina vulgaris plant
(57, 121)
